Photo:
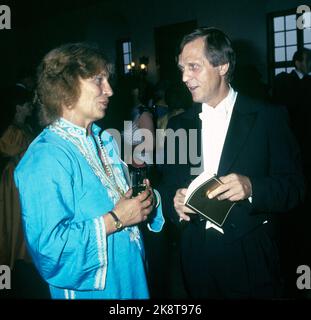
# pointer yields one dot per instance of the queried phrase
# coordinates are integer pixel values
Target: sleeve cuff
(157, 221)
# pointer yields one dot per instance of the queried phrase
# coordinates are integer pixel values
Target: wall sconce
(143, 63)
(141, 69)
(131, 66)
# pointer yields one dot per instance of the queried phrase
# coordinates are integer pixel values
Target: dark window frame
(121, 53)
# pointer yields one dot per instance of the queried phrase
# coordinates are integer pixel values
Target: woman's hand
(131, 211)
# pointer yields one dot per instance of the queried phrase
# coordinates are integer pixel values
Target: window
(285, 38)
(307, 38)
(127, 55)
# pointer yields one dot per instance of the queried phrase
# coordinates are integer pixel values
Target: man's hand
(179, 206)
(235, 187)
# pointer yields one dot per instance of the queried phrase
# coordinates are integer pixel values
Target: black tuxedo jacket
(259, 145)
(287, 89)
(295, 94)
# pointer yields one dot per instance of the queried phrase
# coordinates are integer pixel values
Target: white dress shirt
(299, 74)
(215, 123)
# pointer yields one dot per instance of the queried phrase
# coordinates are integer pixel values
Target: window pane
(126, 59)
(306, 35)
(279, 70)
(290, 22)
(279, 54)
(291, 37)
(278, 23)
(289, 70)
(125, 47)
(308, 46)
(279, 39)
(290, 52)
(126, 70)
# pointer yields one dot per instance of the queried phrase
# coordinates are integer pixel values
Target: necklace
(101, 150)
(111, 178)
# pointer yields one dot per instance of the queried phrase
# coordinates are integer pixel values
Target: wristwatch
(117, 223)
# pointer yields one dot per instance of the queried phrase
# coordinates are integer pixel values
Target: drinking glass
(138, 175)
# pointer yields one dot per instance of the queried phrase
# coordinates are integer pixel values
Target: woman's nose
(107, 90)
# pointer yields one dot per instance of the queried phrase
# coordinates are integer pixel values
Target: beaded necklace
(101, 151)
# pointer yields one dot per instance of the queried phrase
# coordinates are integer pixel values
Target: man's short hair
(218, 47)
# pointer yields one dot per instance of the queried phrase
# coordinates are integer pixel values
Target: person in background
(158, 101)
(293, 92)
(142, 128)
(81, 221)
(15, 138)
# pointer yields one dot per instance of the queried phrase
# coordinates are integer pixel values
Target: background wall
(38, 26)
(244, 21)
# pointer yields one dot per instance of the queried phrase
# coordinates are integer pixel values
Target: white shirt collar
(224, 107)
(299, 74)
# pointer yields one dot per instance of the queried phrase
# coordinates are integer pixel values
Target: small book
(197, 199)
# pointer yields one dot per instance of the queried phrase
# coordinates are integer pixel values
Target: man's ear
(297, 65)
(223, 69)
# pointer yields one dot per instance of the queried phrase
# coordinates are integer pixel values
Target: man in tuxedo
(287, 86)
(249, 145)
(292, 90)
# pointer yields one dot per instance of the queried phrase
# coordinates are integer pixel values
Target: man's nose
(185, 75)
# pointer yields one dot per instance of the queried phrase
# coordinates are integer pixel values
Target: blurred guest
(15, 139)
(158, 101)
(292, 90)
(140, 135)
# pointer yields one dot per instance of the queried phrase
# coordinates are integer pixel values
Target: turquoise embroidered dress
(64, 194)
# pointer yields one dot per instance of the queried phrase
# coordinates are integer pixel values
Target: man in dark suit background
(250, 147)
(293, 90)
(287, 86)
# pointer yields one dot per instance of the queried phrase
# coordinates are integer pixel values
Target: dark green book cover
(212, 209)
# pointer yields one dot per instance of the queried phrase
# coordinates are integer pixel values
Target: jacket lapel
(242, 121)
(191, 120)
